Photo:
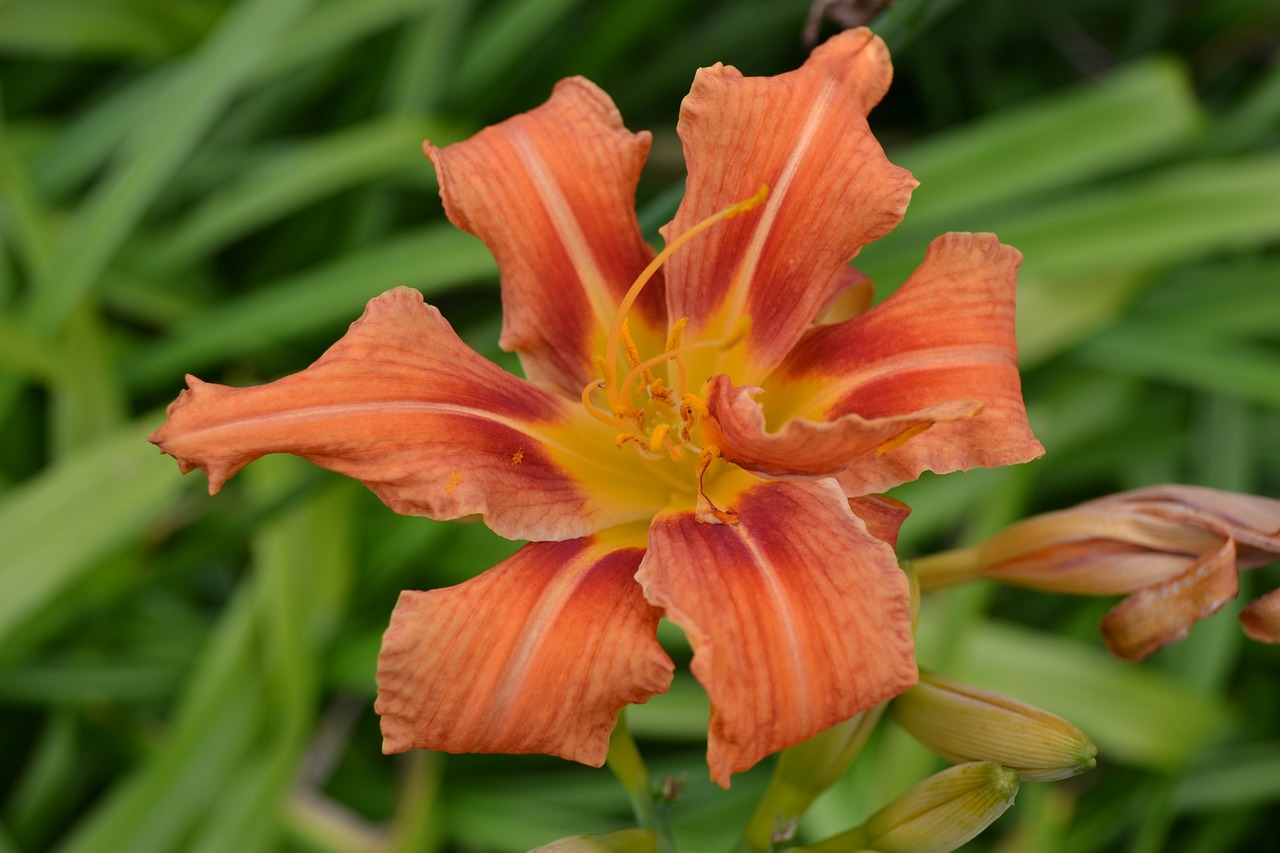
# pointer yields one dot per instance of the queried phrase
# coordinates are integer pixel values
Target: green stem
(946, 568)
(803, 772)
(625, 762)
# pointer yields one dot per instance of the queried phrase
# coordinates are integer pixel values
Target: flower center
(666, 423)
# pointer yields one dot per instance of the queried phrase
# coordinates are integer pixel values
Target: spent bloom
(1175, 551)
(701, 432)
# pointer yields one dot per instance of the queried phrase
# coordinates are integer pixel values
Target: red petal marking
(804, 448)
(405, 406)
(1261, 618)
(947, 335)
(798, 617)
(803, 134)
(552, 194)
(536, 655)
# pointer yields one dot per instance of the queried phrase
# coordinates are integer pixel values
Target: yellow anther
(694, 406)
(676, 336)
(658, 437)
(660, 393)
(624, 437)
(629, 345)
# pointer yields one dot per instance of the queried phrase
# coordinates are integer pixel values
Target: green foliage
(217, 186)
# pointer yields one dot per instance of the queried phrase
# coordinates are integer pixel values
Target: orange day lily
(700, 433)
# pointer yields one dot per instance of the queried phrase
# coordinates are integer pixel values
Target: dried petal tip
(1261, 619)
(965, 723)
(940, 814)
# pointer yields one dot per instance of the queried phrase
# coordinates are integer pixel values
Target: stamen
(594, 410)
(624, 388)
(674, 341)
(629, 345)
(659, 436)
(636, 442)
(629, 300)
(676, 337)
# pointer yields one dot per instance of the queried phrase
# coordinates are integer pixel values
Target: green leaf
(432, 259)
(291, 179)
(58, 525)
(1133, 713)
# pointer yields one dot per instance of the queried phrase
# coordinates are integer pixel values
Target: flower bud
(938, 815)
(965, 723)
(1175, 550)
(622, 841)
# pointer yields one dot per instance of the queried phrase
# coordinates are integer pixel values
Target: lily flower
(690, 440)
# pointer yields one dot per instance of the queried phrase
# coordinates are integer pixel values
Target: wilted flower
(690, 439)
(1175, 550)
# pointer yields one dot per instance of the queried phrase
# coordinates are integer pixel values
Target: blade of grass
(432, 259)
(1130, 117)
(1133, 713)
(178, 118)
(291, 179)
(81, 28)
(1206, 362)
(500, 39)
(108, 494)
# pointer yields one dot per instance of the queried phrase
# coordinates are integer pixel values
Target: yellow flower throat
(667, 424)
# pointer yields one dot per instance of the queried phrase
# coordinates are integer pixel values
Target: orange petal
(803, 134)
(552, 194)
(946, 335)
(882, 514)
(805, 448)
(1261, 618)
(1163, 613)
(405, 406)
(536, 655)
(798, 617)
(853, 295)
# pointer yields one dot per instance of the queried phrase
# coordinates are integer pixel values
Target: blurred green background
(217, 186)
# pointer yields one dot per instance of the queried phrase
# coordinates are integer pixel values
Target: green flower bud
(965, 723)
(938, 815)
